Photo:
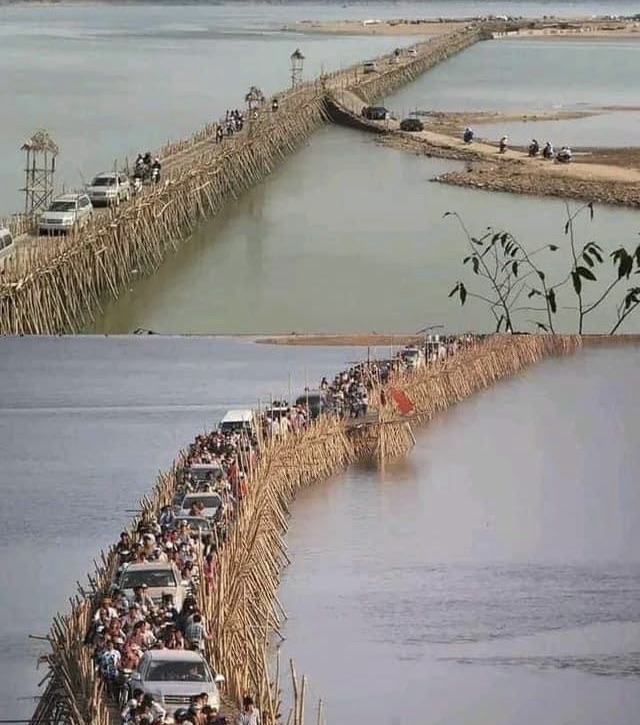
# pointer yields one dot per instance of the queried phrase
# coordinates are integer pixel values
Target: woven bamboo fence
(378, 85)
(437, 387)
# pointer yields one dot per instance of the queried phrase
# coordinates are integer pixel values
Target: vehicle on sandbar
(66, 213)
(110, 187)
(369, 67)
(173, 677)
(160, 577)
(411, 124)
(374, 113)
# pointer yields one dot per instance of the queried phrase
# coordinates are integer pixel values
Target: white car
(67, 212)
(173, 676)
(413, 357)
(110, 187)
(159, 577)
(211, 501)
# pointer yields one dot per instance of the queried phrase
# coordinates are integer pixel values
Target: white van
(235, 421)
(7, 247)
(369, 67)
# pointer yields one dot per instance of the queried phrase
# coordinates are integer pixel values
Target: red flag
(402, 401)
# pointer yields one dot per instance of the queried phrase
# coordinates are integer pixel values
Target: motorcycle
(534, 149)
(155, 174)
(468, 136)
(563, 157)
(503, 145)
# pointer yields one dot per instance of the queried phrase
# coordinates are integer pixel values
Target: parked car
(67, 212)
(7, 247)
(201, 472)
(369, 67)
(111, 187)
(212, 504)
(173, 677)
(375, 113)
(411, 124)
(412, 52)
(159, 576)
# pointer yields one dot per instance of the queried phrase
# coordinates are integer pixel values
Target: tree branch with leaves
(507, 271)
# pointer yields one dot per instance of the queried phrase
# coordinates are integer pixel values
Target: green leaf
(477, 241)
(476, 264)
(542, 327)
(463, 294)
(466, 259)
(567, 226)
(514, 269)
(447, 213)
(454, 290)
(541, 275)
(551, 299)
(587, 259)
(586, 273)
(590, 205)
(577, 282)
(553, 248)
(533, 292)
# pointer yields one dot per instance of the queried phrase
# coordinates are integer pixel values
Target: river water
(493, 576)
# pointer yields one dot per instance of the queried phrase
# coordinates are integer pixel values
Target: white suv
(67, 212)
(110, 187)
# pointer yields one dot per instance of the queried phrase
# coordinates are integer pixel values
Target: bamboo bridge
(243, 612)
(56, 287)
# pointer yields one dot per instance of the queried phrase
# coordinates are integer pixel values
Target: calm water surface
(292, 255)
(85, 426)
(494, 576)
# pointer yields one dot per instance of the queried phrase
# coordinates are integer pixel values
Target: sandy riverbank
(608, 176)
(356, 339)
(559, 28)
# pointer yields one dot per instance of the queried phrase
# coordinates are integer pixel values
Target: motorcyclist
(503, 144)
(147, 159)
(275, 105)
(547, 151)
(564, 155)
(467, 136)
(534, 148)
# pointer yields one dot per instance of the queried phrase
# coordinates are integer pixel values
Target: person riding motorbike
(547, 151)
(467, 136)
(503, 144)
(147, 159)
(534, 148)
(564, 155)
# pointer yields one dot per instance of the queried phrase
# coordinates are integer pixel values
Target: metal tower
(297, 61)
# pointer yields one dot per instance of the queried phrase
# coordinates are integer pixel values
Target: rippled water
(494, 576)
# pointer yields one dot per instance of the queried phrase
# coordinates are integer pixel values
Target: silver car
(65, 213)
(212, 505)
(110, 187)
(160, 578)
(173, 676)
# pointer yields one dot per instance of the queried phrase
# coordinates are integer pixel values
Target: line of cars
(74, 210)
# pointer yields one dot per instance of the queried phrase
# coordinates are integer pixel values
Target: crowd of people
(563, 155)
(233, 122)
(128, 624)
